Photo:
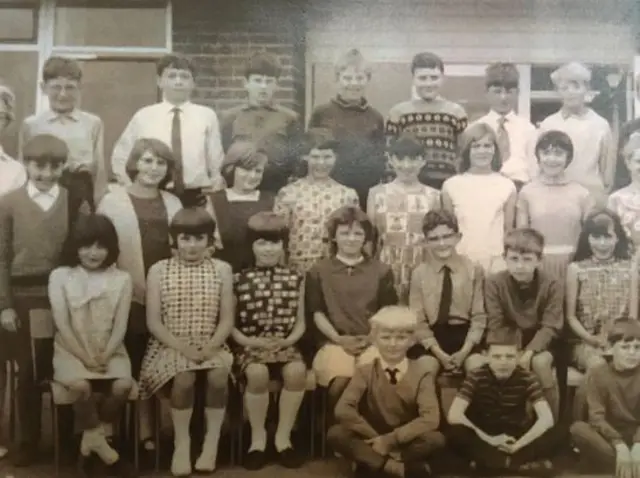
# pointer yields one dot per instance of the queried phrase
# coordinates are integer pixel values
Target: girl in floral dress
(307, 203)
(396, 210)
(190, 316)
(90, 300)
(553, 205)
(483, 200)
(270, 322)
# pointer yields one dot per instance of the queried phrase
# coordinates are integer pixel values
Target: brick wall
(221, 35)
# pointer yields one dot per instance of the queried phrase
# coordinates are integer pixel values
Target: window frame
(33, 7)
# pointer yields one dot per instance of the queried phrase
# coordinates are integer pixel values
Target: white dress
(478, 203)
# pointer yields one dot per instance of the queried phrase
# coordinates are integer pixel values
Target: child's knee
(184, 382)
(257, 376)
(218, 378)
(474, 362)
(122, 387)
(294, 376)
(80, 389)
(542, 366)
(428, 364)
(594, 360)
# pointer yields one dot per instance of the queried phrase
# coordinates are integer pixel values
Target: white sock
(207, 460)
(95, 441)
(288, 407)
(257, 406)
(181, 462)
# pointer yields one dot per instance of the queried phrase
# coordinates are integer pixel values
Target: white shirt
(521, 165)
(401, 368)
(12, 173)
(45, 199)
(201, 144)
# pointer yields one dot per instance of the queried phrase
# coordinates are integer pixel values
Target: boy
(84, 174)
(431, 119)
(526, 303)
(611, 437)
(490, 418)
(356, 124)
(447, 295)
(389, 414)
(12, 173)
(34, 221)
(515, 134)
(594, 156)
(272, 127)
(191, 130)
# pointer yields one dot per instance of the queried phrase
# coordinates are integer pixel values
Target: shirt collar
(495, 116)
(454, 263)
(531, 289)
(34, 192)
(268, 107)
(401, 367)
(338, 266)
(170, 106)
(567, 114)
(362, 105)
(51, 115)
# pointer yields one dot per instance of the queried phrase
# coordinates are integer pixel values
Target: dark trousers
(80, 187)
(353, 446)
(191, 197)
(465, 442)
(594, 449)
(136, 338)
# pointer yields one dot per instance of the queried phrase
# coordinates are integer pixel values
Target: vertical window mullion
(45, 46)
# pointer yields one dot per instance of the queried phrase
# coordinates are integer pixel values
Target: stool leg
(56, 438)
(312, 420)
(323, 423)
(158, 414)
(136, 435)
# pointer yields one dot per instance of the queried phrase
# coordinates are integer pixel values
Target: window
(18, 24)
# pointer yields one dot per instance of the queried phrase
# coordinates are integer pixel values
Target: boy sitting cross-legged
(388, 416)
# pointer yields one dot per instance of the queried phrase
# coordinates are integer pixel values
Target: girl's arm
(121, 318)
(154, 309)
(242, 339)
(447, 202)
(226, 318)
(325, 327)
(571, 295)
(510, 212)
(635, 284)
(522, 210)
(300, 326)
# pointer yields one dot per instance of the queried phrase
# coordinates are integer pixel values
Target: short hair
(573, 71)
(8, 102)
(439, 217)
(59, 67)
(394, 317)
(269, 226)
(524, 240)
(347, 216)
(631, 145)
(597, 223)
(353, 58)
(623, 329)
(90, 229)
(319, 138)
(426, 60)
(470, 135)
(192, 221)
(504, 75)
(241, 154)
(177, 61)
(157, 148)
(555, 139)
(45, 148)
(503, 338)
(406, 147)
(263, 64)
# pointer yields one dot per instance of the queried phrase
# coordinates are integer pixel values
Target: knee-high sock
(181, 462)
(257, 406)
(214, 418)
(288, 411)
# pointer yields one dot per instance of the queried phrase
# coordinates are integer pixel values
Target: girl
(190, 316)
(396, 210)
(481, 198)
(270, 322)
(307, 203)
(90, 301)
(141, 213)
(602, 284)
(242, 170)
(552, 204)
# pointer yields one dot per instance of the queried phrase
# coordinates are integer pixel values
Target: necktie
(503, 139)
(445, 297)
(176, 146)
(393, 375)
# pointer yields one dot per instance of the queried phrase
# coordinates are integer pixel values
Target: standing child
(190, 317)
(526, 303)
(270, 322)
(307, 203)
(90, 301)
(343, 292)
(12, 173)
(481, 198)
(389, 414)
(85, 173)
(34, 221)
(396, 210)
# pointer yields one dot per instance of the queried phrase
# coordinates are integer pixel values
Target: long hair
(474, 133)
(88, 230)
(598, 223)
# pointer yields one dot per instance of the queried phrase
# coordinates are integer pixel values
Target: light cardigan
(117, 206)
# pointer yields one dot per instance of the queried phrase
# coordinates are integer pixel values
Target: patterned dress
(626, 203)
(397, 215)
(306, 205)
(267, 306)
(190, 306)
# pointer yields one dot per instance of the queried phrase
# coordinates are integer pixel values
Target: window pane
(17, 24)
(119, 27)
(19, 70)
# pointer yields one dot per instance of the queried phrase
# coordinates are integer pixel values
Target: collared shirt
(200, 133)
(521, 165)
(44, 199)
(400, 368)
(12, 173)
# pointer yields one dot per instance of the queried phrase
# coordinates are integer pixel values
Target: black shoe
(289, 458)
(24, 456)
(255, 460)
(123, 469)
(87, 465)
(417, 470)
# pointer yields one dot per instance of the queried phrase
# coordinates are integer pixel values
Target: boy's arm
(496, 317)
(122, 149)
(596, 403)
(387, 294)
(478, 314)
(227, 119)
(23, 136)
(458, 410)
(551, 321)
(282, 205)
(543, 423)
(415, 303)
(428, 418)
(392, 129)
(522, 210)
(347, 410)
(607, 159)
(101, 179)
(215, 153)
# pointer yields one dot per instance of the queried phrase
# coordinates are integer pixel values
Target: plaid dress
(190, 300)
(267, 306)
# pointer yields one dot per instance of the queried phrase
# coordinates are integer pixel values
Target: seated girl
(190, 316)
(90, 300)
(269, 324)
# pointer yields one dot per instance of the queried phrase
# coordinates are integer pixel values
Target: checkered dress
(190, 299)
(267, 306)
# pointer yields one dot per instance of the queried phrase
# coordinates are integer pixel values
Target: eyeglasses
(442, 237)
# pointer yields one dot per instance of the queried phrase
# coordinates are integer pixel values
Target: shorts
(331, 361)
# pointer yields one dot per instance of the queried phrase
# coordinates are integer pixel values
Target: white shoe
(181, 461)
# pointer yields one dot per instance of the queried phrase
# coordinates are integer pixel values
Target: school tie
(176, 146)
(393, 375)
(445, 296)
(502, 136)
